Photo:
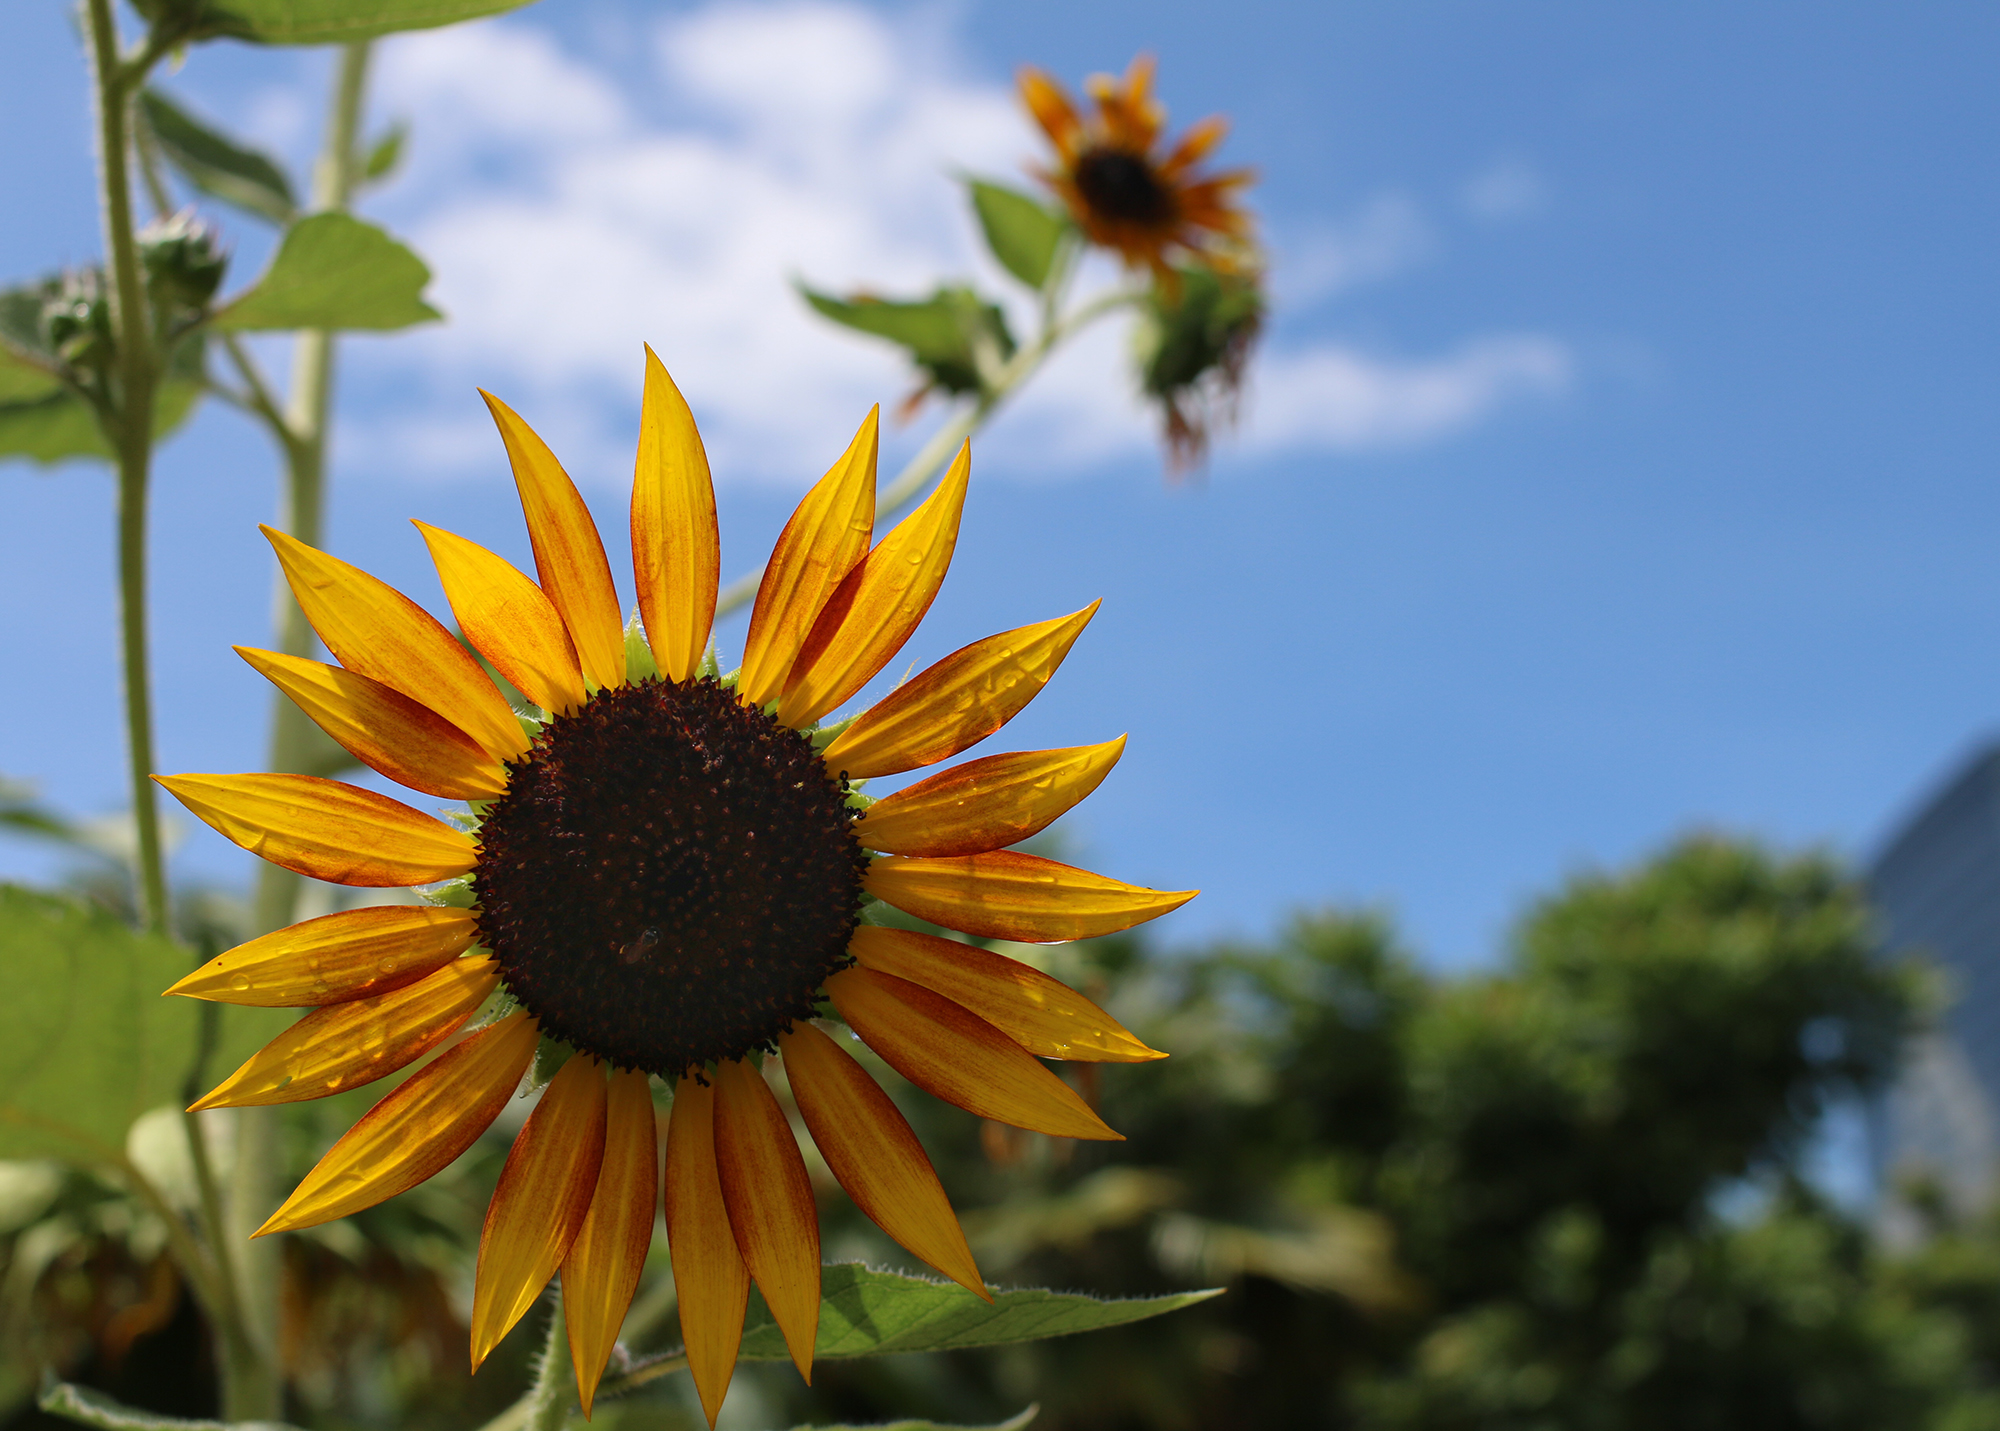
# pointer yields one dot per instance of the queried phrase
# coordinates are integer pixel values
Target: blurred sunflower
(1151, 207)
(666, 871)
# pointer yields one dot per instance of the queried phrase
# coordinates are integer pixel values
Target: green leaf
(27, 368)
(1012, 1423)
(386, 153)
(334, 272)
(943, 333)
(93, 1408)
(86, 1042)
(864, 1312)
(315, 22)
(216, 164)
(1022, 233)
(61, 425)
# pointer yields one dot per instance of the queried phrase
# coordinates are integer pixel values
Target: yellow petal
(509, 619)
(875, 609)
(540, 1203)
(416, 1130)
(1045, 1016)
(872, 1150)
(676, 555)
(1004, 895)
(322, 828)
(709, 1274)
(986, 804)
(770, 1202)
(602, 1270)
(569, 555)
(373, 628)
(947, 1051)
(962, 699)
(335, 957)
(345, 1045)
(822, 542)
(384, 729)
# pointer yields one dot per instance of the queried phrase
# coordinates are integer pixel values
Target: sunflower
(666, 873)
(1150, 207)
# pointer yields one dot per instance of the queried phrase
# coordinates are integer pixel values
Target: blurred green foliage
(1563, 1191)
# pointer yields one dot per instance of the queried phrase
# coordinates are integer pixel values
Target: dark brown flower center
(1118, 184)
(669, 878)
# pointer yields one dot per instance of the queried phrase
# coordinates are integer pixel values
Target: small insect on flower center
(669, 878)
(1122, 185)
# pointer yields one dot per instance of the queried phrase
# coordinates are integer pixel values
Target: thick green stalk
(130, 429)
(303, 435)
(555, 1379)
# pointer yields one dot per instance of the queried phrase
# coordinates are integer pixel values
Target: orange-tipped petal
(509, 619)
(327, 830)
(958, 702)
(1050, 107)
(383, 728)
(676, 555)
(872, 1150)
(542, 1198)
(345, 1045)
(334, 958)
(602, 1270)
(948, 1051)
(826, 536)
(1045, 1016)
(416, 1130)
(569, 555)
(985, 804)
(875, 609)
(1004, 895)
(770, 1202)
(709, 1274)
(1199, 139)
(373, 628)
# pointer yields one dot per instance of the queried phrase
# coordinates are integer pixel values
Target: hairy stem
(128, 417)
(555, 1379)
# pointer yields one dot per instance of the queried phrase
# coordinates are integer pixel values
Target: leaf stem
(555, 1379)
(129, 427)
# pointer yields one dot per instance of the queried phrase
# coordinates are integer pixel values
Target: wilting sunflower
(1150, 207)
(668, 871)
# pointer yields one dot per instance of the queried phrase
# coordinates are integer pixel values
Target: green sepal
(550, 1055)
(1022, 233)
(452, 894)
(825, 735)
(639, 662)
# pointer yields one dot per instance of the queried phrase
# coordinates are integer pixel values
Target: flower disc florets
(1119, 184)
(669, 878)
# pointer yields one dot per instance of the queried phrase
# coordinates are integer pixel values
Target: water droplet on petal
(241, 983)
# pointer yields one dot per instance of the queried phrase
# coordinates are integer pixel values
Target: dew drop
(385, 966)
(241, 983)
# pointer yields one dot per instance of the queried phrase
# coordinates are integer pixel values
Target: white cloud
(1388, 235)
(573, 207)
(1335, 398)
(1509, 188)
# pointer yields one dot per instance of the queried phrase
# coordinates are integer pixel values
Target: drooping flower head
(665, 873)
(1151, 207)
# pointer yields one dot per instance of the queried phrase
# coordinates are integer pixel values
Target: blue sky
(1620, 462)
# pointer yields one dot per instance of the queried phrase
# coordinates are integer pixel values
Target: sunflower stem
(943, 445)
(554, 1391)
(128, 422)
